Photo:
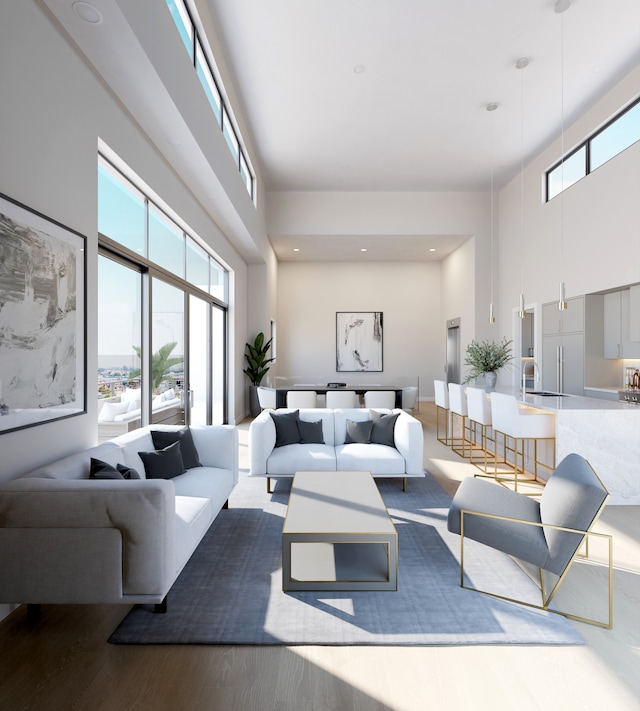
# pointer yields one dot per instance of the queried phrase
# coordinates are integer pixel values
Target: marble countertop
(566, 402)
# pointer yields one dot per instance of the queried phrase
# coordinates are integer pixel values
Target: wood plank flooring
(63, 661)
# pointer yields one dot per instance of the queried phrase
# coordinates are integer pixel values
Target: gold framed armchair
(548, 533)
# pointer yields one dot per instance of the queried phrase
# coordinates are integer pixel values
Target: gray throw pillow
(101, 470)
(164, 463)
(383, 427)
(163, 438)
(358, 432)
(127, 472)
(287, 431)
(310, 432)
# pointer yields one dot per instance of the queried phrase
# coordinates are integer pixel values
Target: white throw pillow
(130, 394)
(111, 409)
(133, 405)
(158, 401)
(169, 394)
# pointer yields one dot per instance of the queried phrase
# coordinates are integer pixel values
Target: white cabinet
(563, 363)
(563, 347)
(619, 324)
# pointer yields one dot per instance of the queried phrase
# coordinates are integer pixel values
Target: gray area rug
(230, 592)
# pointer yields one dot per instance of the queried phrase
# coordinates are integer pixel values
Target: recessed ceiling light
(432, 249)
(87, 12)
(359, 69)
(295, 249)
(363, 249)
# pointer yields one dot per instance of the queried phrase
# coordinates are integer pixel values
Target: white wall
(52, 113)
(310, 294)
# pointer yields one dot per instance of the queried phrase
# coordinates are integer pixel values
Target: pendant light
(521, 64)
(491, 108)
(560, 8)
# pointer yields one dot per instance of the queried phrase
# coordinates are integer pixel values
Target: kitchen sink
(544, 393)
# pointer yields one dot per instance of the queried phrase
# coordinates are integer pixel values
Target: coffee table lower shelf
(338, 535)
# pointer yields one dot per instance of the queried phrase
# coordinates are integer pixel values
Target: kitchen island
(605, 432)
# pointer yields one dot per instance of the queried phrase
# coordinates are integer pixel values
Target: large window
(162, 315)
(621, 132)
(182, 12)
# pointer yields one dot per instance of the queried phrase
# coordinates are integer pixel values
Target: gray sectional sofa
(67, 538)
(334, 450)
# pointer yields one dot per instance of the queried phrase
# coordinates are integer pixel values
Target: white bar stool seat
(380, 398)
(520, 427)
(441, 393)
(342, 398)
(302, 398)
(458, 406)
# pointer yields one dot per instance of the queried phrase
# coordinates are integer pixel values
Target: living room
(58, 109)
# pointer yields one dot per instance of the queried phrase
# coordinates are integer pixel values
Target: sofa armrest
(140, 512)
(262, 440)
(409, 440)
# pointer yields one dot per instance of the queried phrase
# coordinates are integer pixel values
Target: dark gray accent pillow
(163, 438)
(163, 463)
(102, 470)
(127, 472)
(358, 432)
(310, 432)
(383, 426)
(287, 431)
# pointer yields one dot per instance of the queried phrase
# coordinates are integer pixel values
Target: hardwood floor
(63, 661)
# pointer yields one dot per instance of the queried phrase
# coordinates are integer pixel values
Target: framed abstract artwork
(42, 319)
(358, 341)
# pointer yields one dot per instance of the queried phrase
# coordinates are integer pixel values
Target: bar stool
(479, 414)
(442, 407)
(520, 428)
(458, 408)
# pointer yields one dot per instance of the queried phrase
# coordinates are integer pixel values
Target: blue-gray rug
(230, 592)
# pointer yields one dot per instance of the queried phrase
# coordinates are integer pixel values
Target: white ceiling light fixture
(560, 8)
(522, 63)
(491, 109)
(87, 12)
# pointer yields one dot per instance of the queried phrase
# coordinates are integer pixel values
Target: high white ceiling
(391, 95)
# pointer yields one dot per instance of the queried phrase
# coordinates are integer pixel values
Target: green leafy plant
(160, 364)
(257, 361)
(487, 357)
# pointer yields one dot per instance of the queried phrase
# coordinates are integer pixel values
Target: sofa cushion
(383, 427)
(103, 470)
(163, 463)
(287, 431)
(310, 432)
(111, 409)
(375, 458)
(359, 432)
(163, 438)
(301, 457)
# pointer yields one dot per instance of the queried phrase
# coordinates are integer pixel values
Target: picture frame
(359, 341)
(43, 346)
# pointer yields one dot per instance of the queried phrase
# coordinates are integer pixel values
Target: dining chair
(302, 398)
(342, 398)
(380, 398)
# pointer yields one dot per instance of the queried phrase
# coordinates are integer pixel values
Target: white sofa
(401, 461)
(66, 538)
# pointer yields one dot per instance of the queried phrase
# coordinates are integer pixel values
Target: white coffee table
(338, 535)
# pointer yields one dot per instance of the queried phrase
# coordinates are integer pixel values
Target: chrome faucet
(536, 374)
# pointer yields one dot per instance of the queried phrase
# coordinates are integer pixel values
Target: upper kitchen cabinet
(621, 321)
(571, 320)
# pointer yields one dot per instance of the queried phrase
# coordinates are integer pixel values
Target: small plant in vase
(486, 359)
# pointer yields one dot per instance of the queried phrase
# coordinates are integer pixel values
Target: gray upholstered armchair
(546, 533)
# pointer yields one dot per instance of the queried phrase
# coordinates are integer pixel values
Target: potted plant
(486, 359)
(257, 367)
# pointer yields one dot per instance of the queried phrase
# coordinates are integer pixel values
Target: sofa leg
(404, 484)
(161, 607)
(33, 613)
(226, 504)
(268, 485)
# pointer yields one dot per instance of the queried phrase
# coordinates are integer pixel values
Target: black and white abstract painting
(358, 341)
(42, 319)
